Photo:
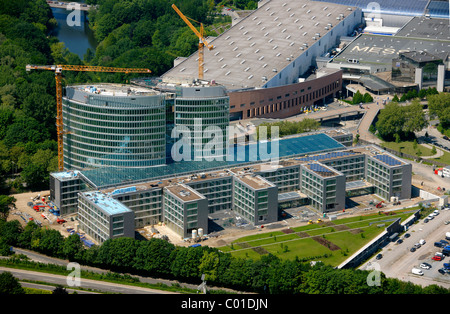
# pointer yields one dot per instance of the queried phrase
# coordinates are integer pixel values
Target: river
(76, 38)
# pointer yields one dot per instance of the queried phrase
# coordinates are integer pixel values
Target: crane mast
(202, 42)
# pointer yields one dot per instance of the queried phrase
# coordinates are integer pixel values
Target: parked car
(425, 266)
(417, 245)
(417, 271)
(399, 241)
(413, 249)
(437, 258)
(379, 256)
(407, 235)
(443, 271)
(444, 242)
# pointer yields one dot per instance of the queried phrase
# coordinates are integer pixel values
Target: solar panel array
(326, 156)
(388, 160)
(321, 170)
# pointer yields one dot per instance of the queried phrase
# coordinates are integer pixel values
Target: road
(63, 5)
(84, 283)
(398, 261)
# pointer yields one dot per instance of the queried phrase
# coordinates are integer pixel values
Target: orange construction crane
(201, 39)
(58, 76)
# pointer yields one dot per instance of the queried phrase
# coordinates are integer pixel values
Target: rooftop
(389, 160)
(107, 89)
(66, 175)
(322, 170)
(264, 42)
(240, 171)
(375, 50)
(255, 182)
(106, 203)
(398, 7)
(429, 28)
(184, 192)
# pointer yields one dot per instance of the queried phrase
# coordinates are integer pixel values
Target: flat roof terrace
(322, 170)
(376, 50)
(106, 203)
(110, 89)
(429, 28)
(184, 192)
(255, 182)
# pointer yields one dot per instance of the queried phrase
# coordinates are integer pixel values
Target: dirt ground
(24, 213)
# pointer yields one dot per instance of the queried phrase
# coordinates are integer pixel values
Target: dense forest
(131, 33)
(161, 259)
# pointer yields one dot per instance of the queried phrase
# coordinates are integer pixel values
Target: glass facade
(207, 118)
(113, 131)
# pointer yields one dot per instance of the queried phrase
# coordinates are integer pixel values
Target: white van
(417, 271)
(422, 242)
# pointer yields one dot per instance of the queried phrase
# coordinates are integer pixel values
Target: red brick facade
(284, 101)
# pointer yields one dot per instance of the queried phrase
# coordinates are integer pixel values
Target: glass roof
(297, 146)
(438, 9)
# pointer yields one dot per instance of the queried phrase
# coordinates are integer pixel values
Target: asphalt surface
(84, 283)
(398, 261)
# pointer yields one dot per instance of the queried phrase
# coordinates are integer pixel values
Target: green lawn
(341, 238)
(444, 159)
(408, 148)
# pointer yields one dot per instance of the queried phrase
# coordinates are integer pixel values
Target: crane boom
(202, 42)
(58, 77)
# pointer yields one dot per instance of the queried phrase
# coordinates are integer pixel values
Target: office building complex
(255, 191)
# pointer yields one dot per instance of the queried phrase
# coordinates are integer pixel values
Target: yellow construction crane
(201, 39)
(58, 76)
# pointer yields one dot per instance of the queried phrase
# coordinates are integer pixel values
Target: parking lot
(398, 261)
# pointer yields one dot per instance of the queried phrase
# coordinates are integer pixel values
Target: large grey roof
(429, 28)
(270, 37)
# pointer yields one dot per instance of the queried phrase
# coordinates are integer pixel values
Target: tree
(59, 290)
(358, 98)
(400, 122)
(72, 246)
(439, 105)
(6, 204)
(9, 284)
(367, 98)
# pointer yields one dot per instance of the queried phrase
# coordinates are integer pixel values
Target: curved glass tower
(113, 126)
(205, 112)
